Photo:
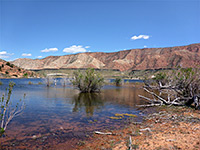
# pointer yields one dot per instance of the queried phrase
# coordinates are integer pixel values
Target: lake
(60, 115)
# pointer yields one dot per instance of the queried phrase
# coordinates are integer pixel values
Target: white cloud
(145, 46)
(27, 55)
(49, 50)
(74, 49)
(4, 54)
(39, 56)
(87, 47)
(140, 37)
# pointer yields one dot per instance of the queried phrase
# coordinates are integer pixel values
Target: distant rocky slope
(9, 70)
(134, 59)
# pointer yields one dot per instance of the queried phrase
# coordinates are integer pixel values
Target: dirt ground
(167, 128)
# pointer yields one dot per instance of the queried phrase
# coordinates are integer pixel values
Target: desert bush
(11, 65)
(8, 64)
(15, 75)
(177, 87)
(88, 81)
(25, 75)
(7, 110)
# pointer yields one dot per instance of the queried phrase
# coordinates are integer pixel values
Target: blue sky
(40, 28)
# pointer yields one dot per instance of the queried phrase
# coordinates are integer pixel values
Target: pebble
(34, 137)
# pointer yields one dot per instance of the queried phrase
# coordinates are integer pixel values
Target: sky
(41, 28)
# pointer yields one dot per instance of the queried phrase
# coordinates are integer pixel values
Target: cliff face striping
(134, 59)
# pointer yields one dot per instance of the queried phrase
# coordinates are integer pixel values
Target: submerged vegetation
(30, 82)
(39, 83)
(88, 81)
(48, 81)
(120, 116)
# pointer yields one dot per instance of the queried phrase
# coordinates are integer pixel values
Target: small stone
(170, 140)
(34, 137)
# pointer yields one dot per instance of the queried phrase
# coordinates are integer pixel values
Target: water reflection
(89, 101)
(124, 96)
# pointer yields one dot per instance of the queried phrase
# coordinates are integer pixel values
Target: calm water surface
(59, 114)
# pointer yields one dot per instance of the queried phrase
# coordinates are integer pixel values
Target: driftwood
(103, 133)
(146, 129)
(177, 88)
(130, 143)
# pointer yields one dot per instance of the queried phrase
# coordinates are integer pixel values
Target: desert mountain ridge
(126, 60)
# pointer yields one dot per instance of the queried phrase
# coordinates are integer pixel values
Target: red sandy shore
(169, 128)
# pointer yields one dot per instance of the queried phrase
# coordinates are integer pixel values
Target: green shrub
(8, 64)
(25, 75)
(2, 65)
(88, 81)
(7, 72)
(118, 81)
(19, 69)
(11, 65)
(15, 75)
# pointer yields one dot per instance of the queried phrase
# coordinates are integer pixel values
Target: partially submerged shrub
(7, 110)
(118, 81)
(88, 81)
(39, 83)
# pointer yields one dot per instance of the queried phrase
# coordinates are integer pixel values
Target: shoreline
(165, 128)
